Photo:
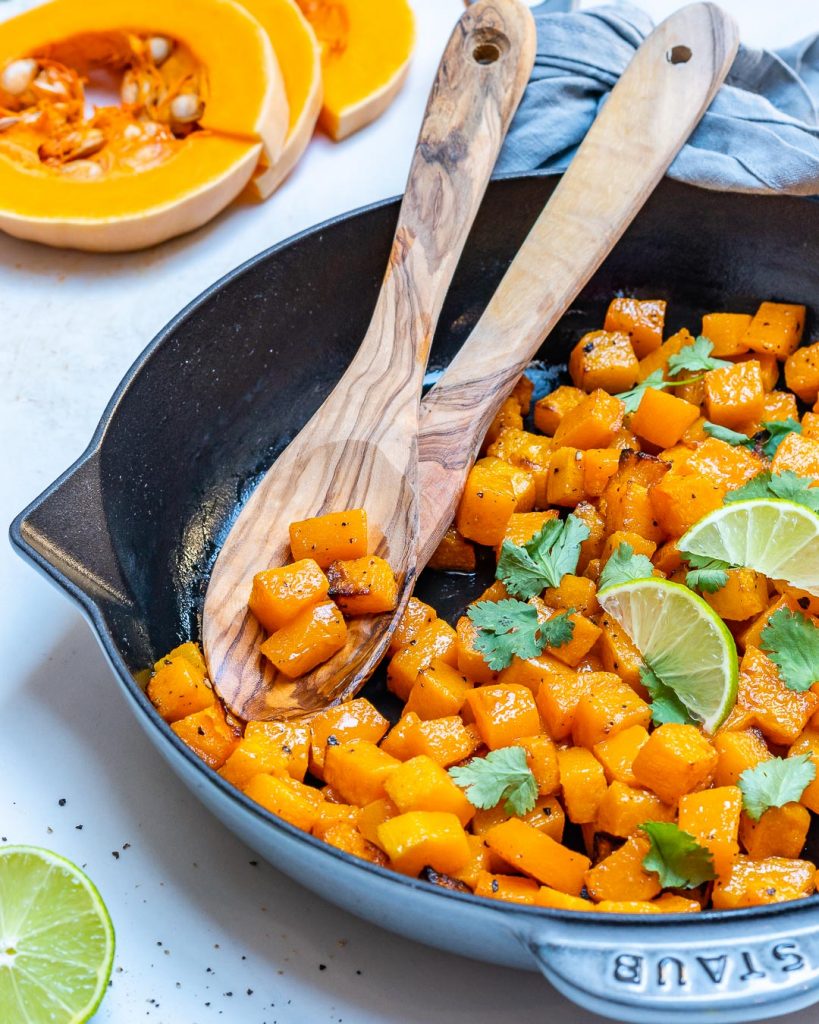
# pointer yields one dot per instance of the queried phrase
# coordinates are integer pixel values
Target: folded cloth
(760, 134)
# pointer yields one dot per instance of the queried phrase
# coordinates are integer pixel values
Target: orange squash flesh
(366, 48)
(142, 183)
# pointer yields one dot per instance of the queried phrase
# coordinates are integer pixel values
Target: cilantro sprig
(786, 485)
(665, 705)
(510, 628)
(624, 566)
(791, 641)
(696, 357)
(527, 569)
(631, 399)
(706, 574)
(732, 437)
(777, 431)
(679, 860)
(775, 783)
(502, 775)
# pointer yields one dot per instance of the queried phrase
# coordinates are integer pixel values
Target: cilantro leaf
(778, 430)
(543, 561)
(696, 357)
(624, 566)
(502, 775)
(510, 628)
(731, 437)
(666, 706)
(791, 641)
(706, 574)
(632, 398)
(786, 485)
(775, 783)
(676, 856)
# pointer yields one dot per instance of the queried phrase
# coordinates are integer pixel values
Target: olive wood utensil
(649, 114)
(360, 448)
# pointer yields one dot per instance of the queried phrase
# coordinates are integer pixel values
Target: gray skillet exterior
(129, 532)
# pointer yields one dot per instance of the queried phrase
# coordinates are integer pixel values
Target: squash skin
(210, 168)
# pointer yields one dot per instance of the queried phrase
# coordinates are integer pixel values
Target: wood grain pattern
(650, 113)
(360, 448)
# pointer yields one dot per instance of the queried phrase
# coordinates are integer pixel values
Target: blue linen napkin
(760, 134)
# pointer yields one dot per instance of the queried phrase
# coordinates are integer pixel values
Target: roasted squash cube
(779, 712)
(526, 451)
(726, 332)
(421, 784)
(446, 740)
(209, 735)
(678, 501)
(738, 750)
(419, 839)
(780, 832)
(437, 640)
(493, 491)
(293, 801)
(363, 586)
(623, 809)
(755, 883)
(729, 467)
(734, 395)
(641, 319)
(777, 328)
(280, 749)
(630, 509)
(609, 706)
(354, 719)
(616, 753)
(802, 372)
(557, 698)
(745, 594)
(523, 526)
(798, 454)
(550, 410)
(584, 783)
(564, 485)
(373, 814)
(591, 424)
(536, 854)
(357, 770)
(417, 616)
(471, 662)
(511, 888)
(779, 405)
(621, 875)
(293, 738)
(548, 897)
(662, 419)
(599, 466)
(575, 592)
(453, 554)
(677, 759)
(279, 595)
(503, 714)
(330, 537)
(438, 691)
(606, 360)
(507, 417)
(179, 688)
(808, 743)
(306, 641)
(658, 359)
(712, 818)
(541, 757)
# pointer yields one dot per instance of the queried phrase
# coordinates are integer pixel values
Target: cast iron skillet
(130, 530)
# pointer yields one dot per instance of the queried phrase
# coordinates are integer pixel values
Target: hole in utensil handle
(679, 54)
(488, 45)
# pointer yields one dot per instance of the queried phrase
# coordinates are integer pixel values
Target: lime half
(778, 538)
(683, 640)
(56, 939)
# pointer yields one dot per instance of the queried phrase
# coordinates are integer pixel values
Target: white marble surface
(198, 925)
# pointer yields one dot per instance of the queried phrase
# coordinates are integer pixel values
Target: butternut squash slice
(202, 98)
(366, 48)
(299, 56)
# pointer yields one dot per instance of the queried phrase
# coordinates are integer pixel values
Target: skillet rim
(134, 692)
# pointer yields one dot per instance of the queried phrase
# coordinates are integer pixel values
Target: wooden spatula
(360, 448)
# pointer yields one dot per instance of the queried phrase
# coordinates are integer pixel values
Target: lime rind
(684, 641)
(56, 939)
(773, 536)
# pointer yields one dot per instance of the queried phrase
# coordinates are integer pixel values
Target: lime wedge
(56, 939)
(776, 537)
(683, 640)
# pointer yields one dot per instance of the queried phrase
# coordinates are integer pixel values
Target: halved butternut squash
(299, 56)
(192, 126)
(366, 47)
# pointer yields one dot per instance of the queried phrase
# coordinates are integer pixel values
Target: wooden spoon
(650, 113)
(360, 448)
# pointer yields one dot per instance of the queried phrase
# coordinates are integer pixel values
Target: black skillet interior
(238, 374)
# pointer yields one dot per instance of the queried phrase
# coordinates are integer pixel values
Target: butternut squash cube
(354, 719)
(416, 617)
(188, 651)
(259, 753)
(808, 743)
(621, 875)
(508, 416)
(608, 706)
(541, 757)
(641, 319)
(599, 466)
(712, 818)
(526, 451)
(584, 783)
(564, 485)
(512, 888)
(345, 836)
(306, 641)
(279, 595)
(779, 712)
(745, 594)
(330, 815)
(604, 359)
(662, 419)
(616, 754)
(357, 770)
(363, 586)
(738, 750)
(627, 907)
(503, 714)
(208, 734)
(294, 739)
(676, 759)
(726, 332)
(576, 592)
(557, 698)
(438, 691)
(780, 832)
(419, 839)
(547, 816)
(493, 491)
(725, 465)
(810, 424)
(471, 662)
(624, 808)
(802, 372)
(373, 814)
(779, 405)
(178, 689)
(536, 854)
(421, 784)
(531, 672)
(330, 537)
(548, 897)
(437, 640)
(671, 903)
(454, 553)
(293, 801)
(798, 454)
(630, 509)
(777, 328)
(523, 526)
(734, 395)
(522, 392)
(658, 359)
(678, 501)
(751, 635)
(550, 410)
(639, 544)
(446, 740)
(591, 424)
(755, 883)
